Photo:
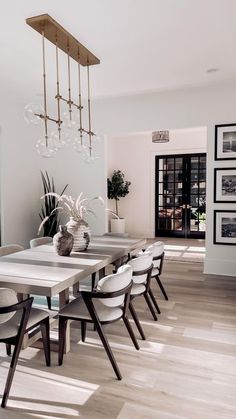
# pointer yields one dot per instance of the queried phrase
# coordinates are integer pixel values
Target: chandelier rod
(58, 96)
(69, 80)
(89, 112)
(45, 89)
(80, 107)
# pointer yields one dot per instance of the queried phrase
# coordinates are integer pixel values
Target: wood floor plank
(185, 369)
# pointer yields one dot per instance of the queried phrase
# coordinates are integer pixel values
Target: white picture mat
(219, 195)
(218, 227)
(220, 153)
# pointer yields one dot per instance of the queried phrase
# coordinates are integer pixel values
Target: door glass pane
(194, 187)
(194, 175)
(179, 164)
(169, 164)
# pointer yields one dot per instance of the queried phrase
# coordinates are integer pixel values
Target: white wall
(190, 107)
(21, 185)
(135, 156)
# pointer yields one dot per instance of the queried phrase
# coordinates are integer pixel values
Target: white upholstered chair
(108, 303)
(10, 248)
(39, 241)
(157, 250)
(142, 267)
(17, 318)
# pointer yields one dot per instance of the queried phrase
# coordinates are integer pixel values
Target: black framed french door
(180, 195)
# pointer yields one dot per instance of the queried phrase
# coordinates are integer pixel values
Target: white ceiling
(144, 45)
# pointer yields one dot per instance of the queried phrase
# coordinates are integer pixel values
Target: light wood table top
(41, 271)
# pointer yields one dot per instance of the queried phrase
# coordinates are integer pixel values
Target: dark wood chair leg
(108, 349)
(45, 330)
(136, 320)
(161, 287)
(154, 301)
(49, 302)
(131, 332)
(148, 301)
(11, 371)
(83, 331)
(93, 281)
(8, 349)
(62, 338)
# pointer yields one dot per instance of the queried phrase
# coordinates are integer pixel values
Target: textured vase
(81, 233)
(63, 241)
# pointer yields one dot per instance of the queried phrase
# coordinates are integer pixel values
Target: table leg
(63, 300)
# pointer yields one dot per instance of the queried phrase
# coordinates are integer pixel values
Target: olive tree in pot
(117, 187)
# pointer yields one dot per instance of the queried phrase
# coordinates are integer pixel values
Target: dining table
(41, 271)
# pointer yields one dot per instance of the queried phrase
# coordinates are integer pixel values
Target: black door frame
(186, 232)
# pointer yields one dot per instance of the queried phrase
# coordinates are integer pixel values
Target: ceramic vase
(81, 233)
(63, 241)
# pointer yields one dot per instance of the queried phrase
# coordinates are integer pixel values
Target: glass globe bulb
(60, 141)
(79, 145)
(46, 148)
(68, 120)
(88, 156)
(30, 112)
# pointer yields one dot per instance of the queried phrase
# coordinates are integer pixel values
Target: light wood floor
(186, 368)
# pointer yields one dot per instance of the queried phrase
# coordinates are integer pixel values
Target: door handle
(186, 206)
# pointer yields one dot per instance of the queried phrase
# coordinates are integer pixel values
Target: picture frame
(225, 227)
(225, 142)
(225, 185)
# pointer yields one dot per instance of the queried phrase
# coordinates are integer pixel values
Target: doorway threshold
(181, 249)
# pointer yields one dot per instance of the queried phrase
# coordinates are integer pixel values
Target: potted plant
(75, 210)
(50, 227)
(117, 187)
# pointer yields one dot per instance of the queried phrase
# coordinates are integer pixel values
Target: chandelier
(160, 137)
(69, 113)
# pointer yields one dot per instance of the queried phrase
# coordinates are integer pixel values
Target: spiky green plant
(50, 227)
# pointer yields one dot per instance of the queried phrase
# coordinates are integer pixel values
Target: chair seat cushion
(10, 328)
(155, 272)
(77, 310)
(137, 289)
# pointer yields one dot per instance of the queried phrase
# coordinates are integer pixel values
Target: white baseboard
(220, 267)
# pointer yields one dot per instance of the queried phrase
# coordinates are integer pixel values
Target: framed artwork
(225, 227)
(225, 185)
(225, 142)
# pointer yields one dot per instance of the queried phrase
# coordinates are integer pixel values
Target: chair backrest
(157, 250)
(8, 297)
(115, 282)
(10, 248)
(9, 306)
(39, 241)
(141, 263)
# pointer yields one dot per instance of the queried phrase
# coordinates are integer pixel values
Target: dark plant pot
(63, 242)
